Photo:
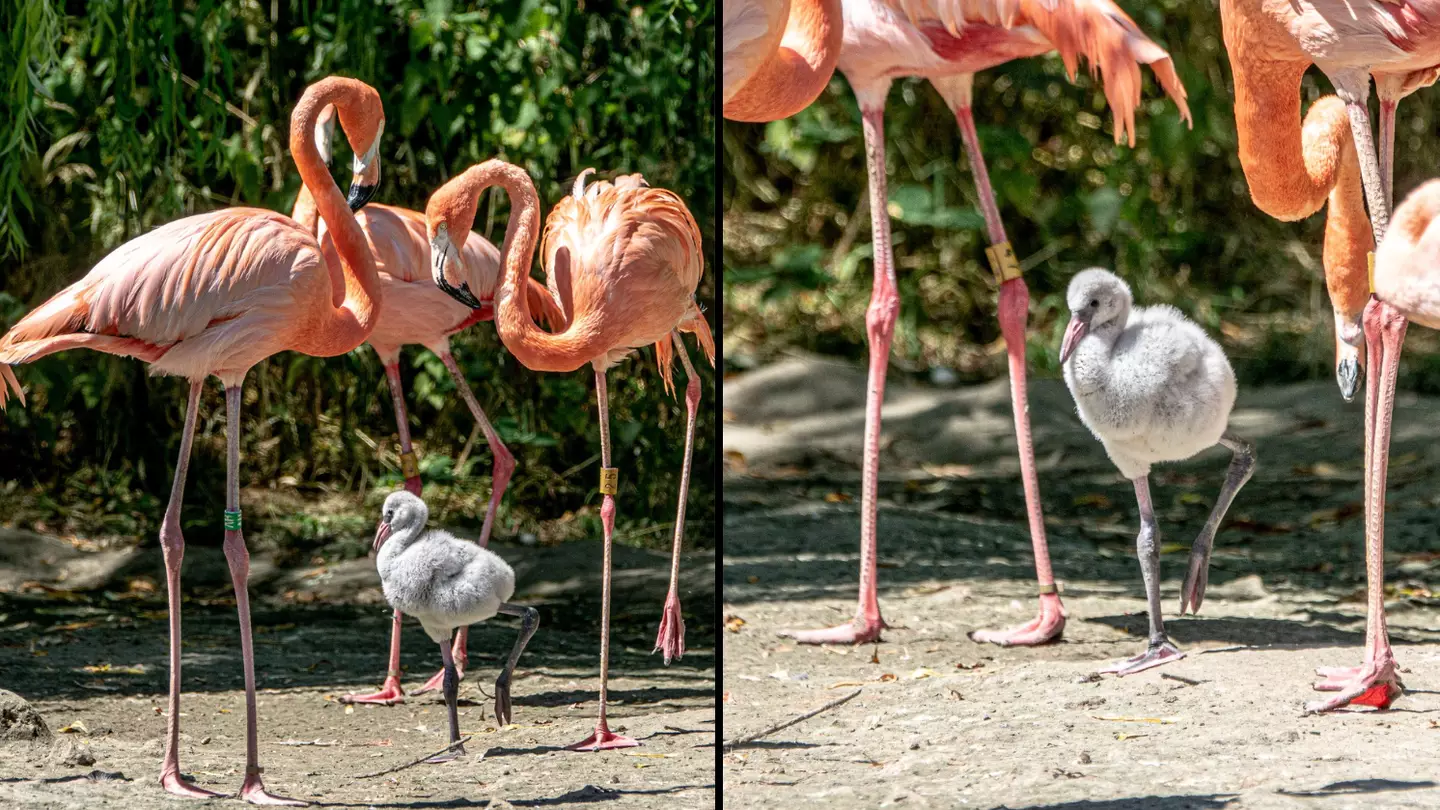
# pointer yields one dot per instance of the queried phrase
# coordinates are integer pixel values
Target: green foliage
(1172, 215)
(120, 116)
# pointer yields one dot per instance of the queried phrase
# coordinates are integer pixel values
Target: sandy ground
(942, 721)
(92, 660)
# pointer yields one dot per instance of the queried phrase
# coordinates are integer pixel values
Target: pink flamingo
(947, 41)
(418, 313)
(214, 294)
(623, 261)
(1397, 42)
(779, 55)
(1407, 286)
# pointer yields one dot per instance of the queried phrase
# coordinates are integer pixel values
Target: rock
(20, 721)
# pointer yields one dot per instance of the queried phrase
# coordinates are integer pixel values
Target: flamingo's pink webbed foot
(437, 681)
(174, 784)
(1373, 684)
(603, 740)
(1154, 656)
(253, 791)
(855, 631)
(390, 694)
(671, 639)
(1043, 629)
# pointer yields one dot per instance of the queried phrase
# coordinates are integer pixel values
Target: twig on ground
(320, 743)
(749, 738)
(1186, 681)
(444, 750)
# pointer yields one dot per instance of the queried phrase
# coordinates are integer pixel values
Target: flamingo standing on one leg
(948, 41)
(779, 55)
(1398, 43)
(418, 313)
(214, 294)
(1292, 168)
(623, 261)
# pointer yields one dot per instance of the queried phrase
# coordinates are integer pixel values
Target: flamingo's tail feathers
(543, 305)
(1115, 48)
(665, 362)
(9, 383)
(700, 328)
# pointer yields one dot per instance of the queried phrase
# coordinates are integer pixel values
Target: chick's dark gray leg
(1147, 548)
(452, 695)
(1242, 466)
(529, 621)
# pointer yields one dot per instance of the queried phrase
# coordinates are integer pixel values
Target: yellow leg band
(1053, 587)
(409, 466)
(1003, 262)
(1370, 258)
(609, 480)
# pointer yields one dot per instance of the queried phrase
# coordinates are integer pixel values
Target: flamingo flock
(775, 66)
(216, 293)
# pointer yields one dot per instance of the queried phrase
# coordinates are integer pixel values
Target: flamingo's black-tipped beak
(382, 533)
(440, 248)
(1347, 376)
(359, 195)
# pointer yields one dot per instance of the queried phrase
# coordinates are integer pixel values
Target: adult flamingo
(947, 41)
(1292, 169)
(779, 55)
(1407, 287)
(214, 294)
(1398, 43)
(418, 313)
(623, 261)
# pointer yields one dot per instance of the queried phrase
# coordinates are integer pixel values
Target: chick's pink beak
(382, 533)
(1073, 333)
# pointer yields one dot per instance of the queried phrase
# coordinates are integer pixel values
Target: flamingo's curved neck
(799, 69)
(582, 340)
(351, 323)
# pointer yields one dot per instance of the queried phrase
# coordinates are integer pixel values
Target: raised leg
(253, 790)
(671, 639)
(1376, 682)
(172, 546)
(879, 329)
(452, 696)
(604, 738)
(1147, 548)
(1387, 149)
(1014, 311)
(1242, 466)
(391, 692)
(529, 620)
(504, 462)
(1352, 85)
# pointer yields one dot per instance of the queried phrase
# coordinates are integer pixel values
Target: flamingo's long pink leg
(1376, 682)
(604, 738)
(879, 329)
(504, 465)
(253, 789)
(671, 639)
(1014, 311)
(172, 546)
(391, 692)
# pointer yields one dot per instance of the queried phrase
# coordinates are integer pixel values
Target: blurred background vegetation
(1173, 216)
(120, 116)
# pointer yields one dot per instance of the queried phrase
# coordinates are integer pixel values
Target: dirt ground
(93, 660)
(942, 721)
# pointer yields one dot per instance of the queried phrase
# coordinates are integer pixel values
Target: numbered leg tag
(1003, 262)
(409, 466)
(232, 520)
(609, 480)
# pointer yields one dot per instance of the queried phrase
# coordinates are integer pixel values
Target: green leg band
(232, 520)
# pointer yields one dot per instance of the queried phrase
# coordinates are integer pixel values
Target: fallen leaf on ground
(734, 623)
(923, 672)
(838, 497)
(1122, 737)
(1164, 721)
(888, 678)
(77, 726)
(839, 684)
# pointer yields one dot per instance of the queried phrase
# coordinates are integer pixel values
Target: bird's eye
(1094, 302)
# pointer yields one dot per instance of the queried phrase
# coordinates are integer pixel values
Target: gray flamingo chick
(1152, 387)
(447, 583)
